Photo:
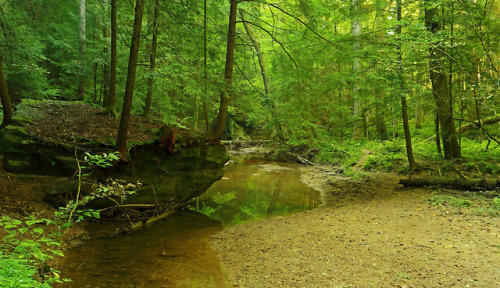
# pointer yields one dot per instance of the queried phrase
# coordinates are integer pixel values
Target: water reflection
(170, 253)
(176, 252)
(254, 190)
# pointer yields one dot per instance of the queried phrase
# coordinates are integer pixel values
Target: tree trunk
(205, 74)
(4, 96)
(394, 123)
(105, 71)
(109, 108)
(94, 96)
(265, 80)
(228, 73)
(436, 131)
(152, 60)
(440, 85)
(121, 142)
(418, 113)
(379, 114)
(356, 69)
(82, 38)
(404, 108)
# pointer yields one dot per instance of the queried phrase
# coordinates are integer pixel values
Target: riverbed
(176, 252)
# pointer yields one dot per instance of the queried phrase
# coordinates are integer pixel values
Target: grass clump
(485, 203)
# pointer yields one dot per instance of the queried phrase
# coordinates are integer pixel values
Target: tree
(404, 107)
(82, 38)
(4, 95)
(356, 69)
(109, 108)
(440, 86)
(205, 74)
(121, 142)
(105, 69)
(260, 56)
(152, 60)
(228, 73)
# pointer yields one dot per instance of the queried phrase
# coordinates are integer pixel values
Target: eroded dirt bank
(370, 233)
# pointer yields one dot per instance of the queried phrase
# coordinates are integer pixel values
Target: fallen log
(475, 125)
(168, 211)
(469, 184)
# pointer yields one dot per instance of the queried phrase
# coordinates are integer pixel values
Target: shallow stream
(176, 252)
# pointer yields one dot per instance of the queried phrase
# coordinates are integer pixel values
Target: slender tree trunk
(356, 69)
(265, 80)
(404, 107)
(109, 108)
(82, 39)
(440, 86)
(379, 118)
(4, 96)
(418, 113)
(152, 60)
(205, 74)
(121, 142)
(438, 137)
(96, 69)
(105, 70)
(394, 123)
(228, 73)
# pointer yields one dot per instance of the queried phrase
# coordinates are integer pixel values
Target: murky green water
(176, 252)
(256, 190)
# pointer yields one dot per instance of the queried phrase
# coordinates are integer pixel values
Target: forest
(101, 98)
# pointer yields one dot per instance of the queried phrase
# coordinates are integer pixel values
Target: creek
(176, 252)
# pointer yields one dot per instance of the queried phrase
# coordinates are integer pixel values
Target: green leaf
(38, 230)
(23, 230)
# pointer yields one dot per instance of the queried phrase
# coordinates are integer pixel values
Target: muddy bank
(370, 233)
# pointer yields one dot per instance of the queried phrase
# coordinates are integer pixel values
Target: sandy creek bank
(369, 233)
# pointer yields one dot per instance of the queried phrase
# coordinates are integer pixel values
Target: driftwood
(166, 213)
(469, 184)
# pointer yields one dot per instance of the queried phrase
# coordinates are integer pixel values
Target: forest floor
(369, 233)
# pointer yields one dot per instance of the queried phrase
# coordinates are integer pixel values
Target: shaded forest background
(314, 75)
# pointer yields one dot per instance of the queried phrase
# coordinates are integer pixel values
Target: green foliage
(479, 203)
(28, 245)
(100, 161)
(112, 188)
(18, 272)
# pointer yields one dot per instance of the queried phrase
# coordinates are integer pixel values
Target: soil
(65, 122)
(369, 233)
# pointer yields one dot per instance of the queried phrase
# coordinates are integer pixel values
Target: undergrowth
(390, 156)
(29, 242)
(485, 203)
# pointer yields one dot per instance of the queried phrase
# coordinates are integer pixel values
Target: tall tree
(404, 107)
(205, 72)
(439, 80)
(152, 60)
(265, 80)
(105, 69)
(82, 38)
(109, 108)
(4, 96)
(121, 142)
(356, 69)
(228, 72)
